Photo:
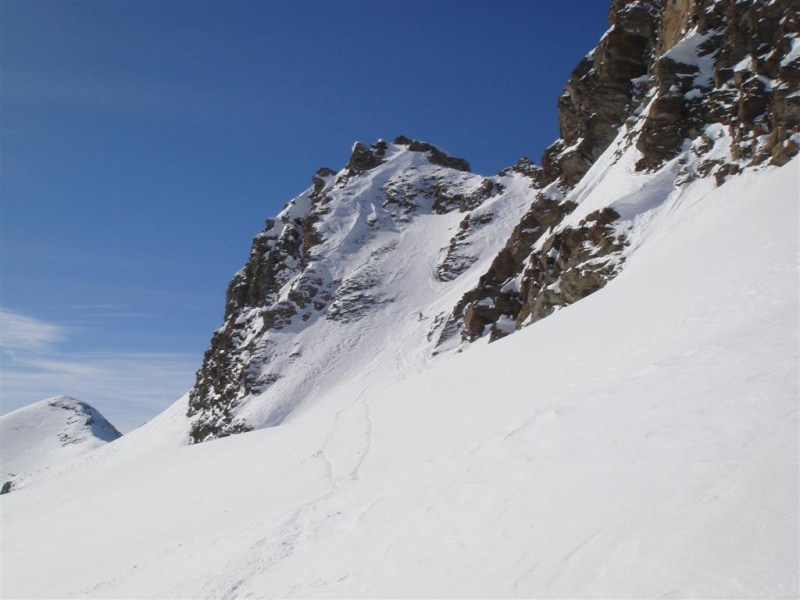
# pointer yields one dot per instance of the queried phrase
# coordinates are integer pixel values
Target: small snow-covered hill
(47, 433)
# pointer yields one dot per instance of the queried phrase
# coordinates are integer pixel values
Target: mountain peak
(338, 257)
(45, 433)
(363, 157)
(436, 155)
(674, 93)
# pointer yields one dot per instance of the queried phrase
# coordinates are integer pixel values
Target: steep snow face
(352, 282)
(641, 443)
(41, 435)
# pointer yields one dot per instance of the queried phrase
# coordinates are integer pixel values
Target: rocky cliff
(709, 86)
(404, 254)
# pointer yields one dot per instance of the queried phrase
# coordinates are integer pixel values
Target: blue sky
(143, 144)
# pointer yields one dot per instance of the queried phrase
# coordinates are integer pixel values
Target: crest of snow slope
(640, 443)
(43, 434)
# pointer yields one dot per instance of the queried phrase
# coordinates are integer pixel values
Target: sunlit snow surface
(44, 434)
(640, 443)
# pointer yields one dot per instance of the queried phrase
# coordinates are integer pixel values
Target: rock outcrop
(736, 64)
(603, 90)
(717, 78)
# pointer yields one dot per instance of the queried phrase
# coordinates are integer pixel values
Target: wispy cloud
(21, 333)
(127, 387)
(109, 311)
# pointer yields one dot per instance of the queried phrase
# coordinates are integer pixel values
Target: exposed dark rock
(491, 299)
(365, 158)
(321, 177)
(524, 166)
(663, 132)
(356, 296)
(7, 487)
(600, 94)
(572, 264)
(224, 377)
(746, 85)
(672, 68)
(446, 200)
(458, 258)
(435, 155)
(780, 148)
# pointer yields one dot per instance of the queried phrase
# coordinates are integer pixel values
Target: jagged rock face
(710, 83)
(340, 267)
(435, 156)
(734, 65)
(676, 93)
(459, 258)
(492, 302)
(365, 158)
(571, 264)
(598, 97)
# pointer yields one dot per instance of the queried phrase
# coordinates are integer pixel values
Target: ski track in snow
(337, 449)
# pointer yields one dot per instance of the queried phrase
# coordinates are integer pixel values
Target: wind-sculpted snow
(642, 443)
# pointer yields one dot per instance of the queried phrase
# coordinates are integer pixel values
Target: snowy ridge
(42, 435)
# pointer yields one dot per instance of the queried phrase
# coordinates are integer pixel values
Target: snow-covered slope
(44, 434)
(640, 443)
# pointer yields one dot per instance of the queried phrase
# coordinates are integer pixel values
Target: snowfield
(640, 443)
